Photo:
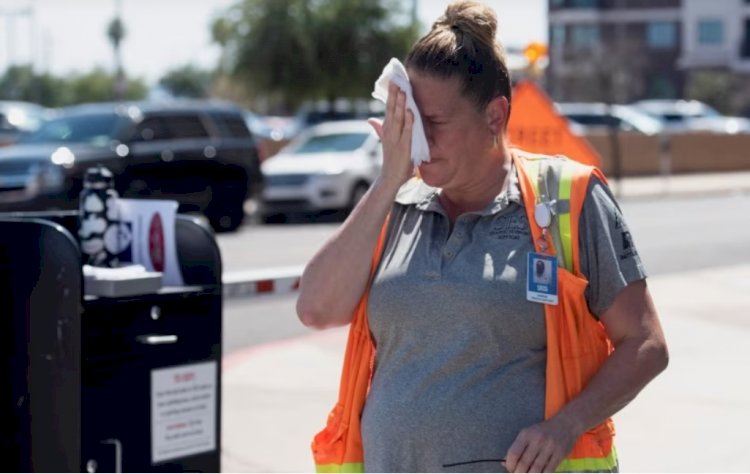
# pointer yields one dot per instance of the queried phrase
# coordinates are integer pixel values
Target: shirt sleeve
(608, 256)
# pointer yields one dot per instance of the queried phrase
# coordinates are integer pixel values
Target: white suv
(329, 166)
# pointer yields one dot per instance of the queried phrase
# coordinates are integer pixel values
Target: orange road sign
(536, 126)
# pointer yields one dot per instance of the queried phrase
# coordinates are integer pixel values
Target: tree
(188, 81)
(116, 33)
(293, 50)
(355, 39)
(222, 30)
(270, 46)
(99, 86)
(21, 83)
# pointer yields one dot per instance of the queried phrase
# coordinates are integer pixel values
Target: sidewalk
(690, 419)
(724, 183)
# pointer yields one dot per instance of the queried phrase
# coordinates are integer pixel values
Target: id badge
(541, 280)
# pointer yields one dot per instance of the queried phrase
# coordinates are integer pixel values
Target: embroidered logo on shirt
(511, 227)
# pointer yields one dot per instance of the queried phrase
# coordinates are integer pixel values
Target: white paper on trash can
(183, 410)
(147, 236)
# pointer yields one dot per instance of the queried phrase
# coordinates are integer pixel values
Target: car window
(186, 126)
(332, 143)
(92, 128)
(233, 126)
(21, 118)
(152, 128)
(592, 120)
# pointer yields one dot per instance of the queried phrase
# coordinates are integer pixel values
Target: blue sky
(65, 36)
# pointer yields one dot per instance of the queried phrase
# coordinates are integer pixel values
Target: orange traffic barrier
(537, 127)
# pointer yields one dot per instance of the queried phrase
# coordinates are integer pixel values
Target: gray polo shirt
(461, 353)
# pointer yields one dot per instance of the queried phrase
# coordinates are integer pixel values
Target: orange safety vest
(577, 343)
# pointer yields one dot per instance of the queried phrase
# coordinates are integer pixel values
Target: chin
(432, 176)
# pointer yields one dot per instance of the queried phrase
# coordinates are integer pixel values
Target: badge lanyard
(541, 280)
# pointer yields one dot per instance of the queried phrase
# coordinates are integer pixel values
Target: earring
(494, 141)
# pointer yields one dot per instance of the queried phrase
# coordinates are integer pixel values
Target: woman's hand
(640, 354)
(395, 134)
(542, 447)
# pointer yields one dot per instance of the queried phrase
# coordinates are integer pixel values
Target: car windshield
(336, 142)
(641, 122)
(97, 129)
(21, 117)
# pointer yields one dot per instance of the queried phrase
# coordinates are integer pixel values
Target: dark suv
(199, 153)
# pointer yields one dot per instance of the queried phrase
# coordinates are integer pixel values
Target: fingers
(539, 448)
(377, 125)
(395, 111)
(395, 133)
(541, 460)
(408, 123)
(398, 113)
(552, 463)
(515, 452)
(390, 104)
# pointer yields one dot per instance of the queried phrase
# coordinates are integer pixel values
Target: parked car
(692, 115)
(329, 166)
(597, 116)
(271, 127)
(314, 113)
(199, 153)
(18, 118)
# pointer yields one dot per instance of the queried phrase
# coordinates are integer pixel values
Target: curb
(267, 281)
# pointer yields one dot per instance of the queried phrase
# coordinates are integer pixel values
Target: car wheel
(226, 211)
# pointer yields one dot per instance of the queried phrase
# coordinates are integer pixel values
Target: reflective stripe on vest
(541, 170)
(605, 464)
(346, 467)
(568, 324)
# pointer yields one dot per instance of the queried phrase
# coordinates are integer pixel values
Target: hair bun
(470, 17)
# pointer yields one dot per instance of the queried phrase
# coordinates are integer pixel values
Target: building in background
(624, 50)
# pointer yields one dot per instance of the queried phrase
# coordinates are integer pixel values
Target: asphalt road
(672, 235)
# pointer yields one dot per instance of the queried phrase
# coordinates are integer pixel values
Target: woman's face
(459, 135)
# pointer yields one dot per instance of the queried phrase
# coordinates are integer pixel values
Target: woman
(461, 378)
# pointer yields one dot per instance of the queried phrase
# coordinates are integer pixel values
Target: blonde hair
(462, 44)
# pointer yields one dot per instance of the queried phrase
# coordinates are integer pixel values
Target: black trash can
(108, 384)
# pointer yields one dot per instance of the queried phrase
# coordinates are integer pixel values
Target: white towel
(396, 72)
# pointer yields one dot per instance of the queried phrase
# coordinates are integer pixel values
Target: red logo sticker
(156, 243)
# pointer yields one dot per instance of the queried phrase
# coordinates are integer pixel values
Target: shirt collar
(425, 198)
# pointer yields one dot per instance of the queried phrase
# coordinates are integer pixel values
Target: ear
(497, 115)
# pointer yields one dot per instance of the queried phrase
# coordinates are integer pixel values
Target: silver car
(327, 167)
(597, 116)
(692, 116)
